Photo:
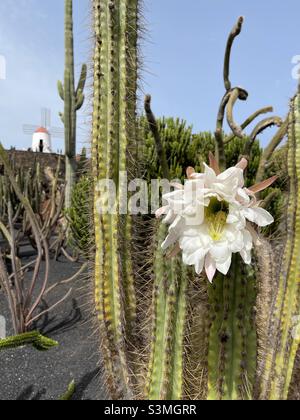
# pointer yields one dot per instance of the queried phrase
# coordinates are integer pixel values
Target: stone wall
(27, 160)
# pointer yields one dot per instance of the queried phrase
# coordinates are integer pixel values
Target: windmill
(41, 135)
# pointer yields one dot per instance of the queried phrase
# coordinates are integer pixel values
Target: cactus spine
(73, 99)
(115, 78)
(282, 349)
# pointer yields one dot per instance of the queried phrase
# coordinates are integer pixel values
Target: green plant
(24, 299)
(69, 393)
(191, 339)
(283, 332)
(73, 99)
(114, 130)
(78, 216)
(33, 338)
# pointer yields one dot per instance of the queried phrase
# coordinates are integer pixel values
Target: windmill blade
(29, 129)
(57, 132)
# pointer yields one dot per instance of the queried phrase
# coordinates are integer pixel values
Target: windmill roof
(42, 130)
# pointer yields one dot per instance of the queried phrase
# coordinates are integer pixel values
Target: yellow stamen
(216, 216)
(216, 225)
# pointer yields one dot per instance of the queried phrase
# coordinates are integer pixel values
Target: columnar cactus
(283, 336)
(114, 130)
(232, 338)
(73, 98)
(166, 367)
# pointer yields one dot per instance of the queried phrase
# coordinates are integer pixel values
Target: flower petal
(210, 268)
(209, 175)
(243, 197)
(246, 255)
(225, 266)
(213, 163)
(243, 163)
(190, 172)
(170, 217)
(248, 240)
(263, 185)
(232, 176)
(161, 211)
(220, 251)
(175, 231)
(199, 266)
(259, 216)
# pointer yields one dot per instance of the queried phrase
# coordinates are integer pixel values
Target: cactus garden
(155, 257)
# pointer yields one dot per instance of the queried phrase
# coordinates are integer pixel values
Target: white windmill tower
(42, 135)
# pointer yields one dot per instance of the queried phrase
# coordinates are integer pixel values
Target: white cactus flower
(209, 217)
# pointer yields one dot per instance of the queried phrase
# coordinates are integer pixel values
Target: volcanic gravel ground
(27, 374)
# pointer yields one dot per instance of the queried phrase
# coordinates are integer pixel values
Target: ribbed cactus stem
(282, 350)
(73, 100)
(34, 338)
(232, 342)
(165, 377)
(114, 113)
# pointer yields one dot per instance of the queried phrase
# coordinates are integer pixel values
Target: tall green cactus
(114, 131)
(166, 366)
(73, 99)
(283, 336)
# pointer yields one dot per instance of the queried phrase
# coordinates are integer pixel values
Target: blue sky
(183, 59)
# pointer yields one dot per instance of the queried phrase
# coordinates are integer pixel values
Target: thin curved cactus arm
(275, 142)
(233, 34)
(34, 338)
(250, 120)
(161, 152)
(269, 199)
(219, 135)
(236, 93)
(259, 128)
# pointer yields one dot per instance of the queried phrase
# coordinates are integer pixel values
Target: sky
(182, 53)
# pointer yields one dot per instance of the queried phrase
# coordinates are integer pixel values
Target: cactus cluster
(167, 333)
(31, 183)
